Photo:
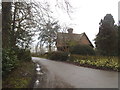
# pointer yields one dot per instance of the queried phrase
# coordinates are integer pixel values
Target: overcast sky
(87, 15)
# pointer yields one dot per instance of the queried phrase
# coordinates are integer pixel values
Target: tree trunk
(50, 48)
(13, 37)
(6, 24)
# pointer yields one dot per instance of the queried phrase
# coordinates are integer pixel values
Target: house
(64, 40)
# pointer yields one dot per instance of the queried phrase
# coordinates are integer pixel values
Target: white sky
(87, 15)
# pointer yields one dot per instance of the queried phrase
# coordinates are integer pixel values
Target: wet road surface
(62, 75)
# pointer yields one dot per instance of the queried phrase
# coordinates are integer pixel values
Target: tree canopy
(20, 22)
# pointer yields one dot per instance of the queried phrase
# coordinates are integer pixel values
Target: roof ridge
(72, 33)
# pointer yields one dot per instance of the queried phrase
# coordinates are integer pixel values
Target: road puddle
(38, 77)
(37, 82)
(38, 68)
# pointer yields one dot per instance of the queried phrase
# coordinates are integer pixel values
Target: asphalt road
(59, 74)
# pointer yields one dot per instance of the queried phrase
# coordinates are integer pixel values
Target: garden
(97, 62)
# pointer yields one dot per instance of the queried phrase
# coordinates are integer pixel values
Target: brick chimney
(70, 30)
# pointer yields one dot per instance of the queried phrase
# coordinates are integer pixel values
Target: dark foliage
(82, 50)
(11, 58)
(106, 39)
(24, 55)
(9, 61)
(60, 56)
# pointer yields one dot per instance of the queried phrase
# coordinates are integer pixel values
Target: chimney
(70, 30)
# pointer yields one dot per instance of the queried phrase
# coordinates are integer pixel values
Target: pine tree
(106, 39)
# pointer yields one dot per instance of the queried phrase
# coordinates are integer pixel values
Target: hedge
(82, 50)
(58, 55)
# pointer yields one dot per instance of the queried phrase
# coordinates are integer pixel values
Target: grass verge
(21, 77)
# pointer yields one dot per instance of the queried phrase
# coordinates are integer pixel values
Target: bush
(9, 60)
(82, 50)
(11, 57)
(62, 56)
(27, 55)
(24, 55)
(82, 57)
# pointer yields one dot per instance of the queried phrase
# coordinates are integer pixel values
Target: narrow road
(70, 75)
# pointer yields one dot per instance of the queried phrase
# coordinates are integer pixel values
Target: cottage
(64, 40)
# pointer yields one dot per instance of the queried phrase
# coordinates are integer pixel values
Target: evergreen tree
(106, 39)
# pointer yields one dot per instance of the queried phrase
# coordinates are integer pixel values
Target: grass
(20, 77)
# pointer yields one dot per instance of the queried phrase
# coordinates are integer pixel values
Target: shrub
(9, 60)
(11, 57)
(82, 50)
(24, 55)
(27, 55)
(58, 55)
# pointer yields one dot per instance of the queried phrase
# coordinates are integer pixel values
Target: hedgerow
(58, 55)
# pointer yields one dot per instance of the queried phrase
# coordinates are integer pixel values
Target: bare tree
(48, 33)
(23, 24)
